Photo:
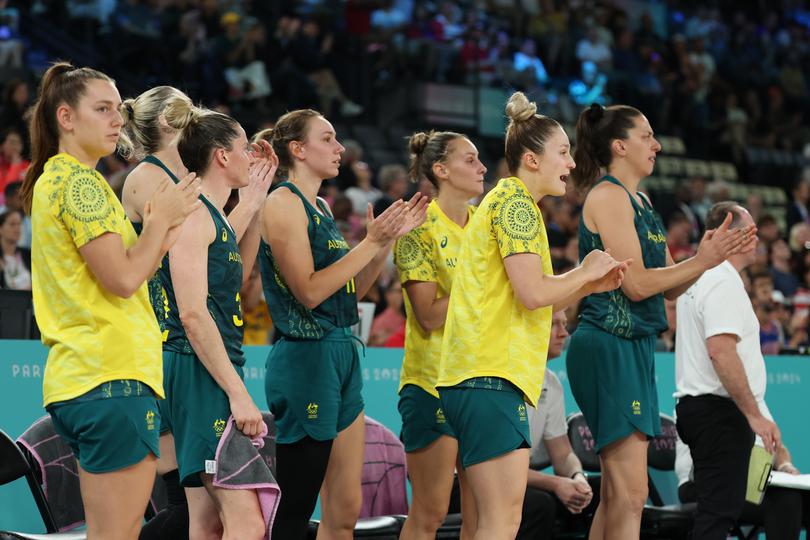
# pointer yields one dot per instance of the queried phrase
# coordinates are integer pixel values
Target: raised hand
(719, 244)
(172, 203)
(261, 174)
(397, 220)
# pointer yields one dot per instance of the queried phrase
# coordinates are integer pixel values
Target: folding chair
(14, 465)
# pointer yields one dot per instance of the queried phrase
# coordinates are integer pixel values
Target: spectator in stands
(531, 73)
(768, 229)
(390, 320)
(15, 261)
(666, 339)
(761, 287)
(255, 315)
(311, 49)
(565, 493)
(16, 97)
(699, 201)
(797, 209)
(11, 47)
(784, 278)
(679, 230)
(12, 163)
(241, 52)
(592, 49)
(14, 202)
(720, 379)
(771, 335)
(362, 193)
(393, 181)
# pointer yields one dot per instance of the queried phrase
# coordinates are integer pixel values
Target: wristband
(585, 476)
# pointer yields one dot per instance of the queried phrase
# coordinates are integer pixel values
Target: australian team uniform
(428, 253)
(103, 372)
(157, 294)
(494, 350)
(313, 382)
(610, 360)
(196, 408)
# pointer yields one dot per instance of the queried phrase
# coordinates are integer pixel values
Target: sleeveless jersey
(224, 283)
(612, 311)
(290, 317)
(157, 295)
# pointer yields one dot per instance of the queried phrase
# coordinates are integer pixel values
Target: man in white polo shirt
(720, 377)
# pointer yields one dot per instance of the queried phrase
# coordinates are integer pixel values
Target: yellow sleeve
(516, 225)
(413, 256)
(86, 207)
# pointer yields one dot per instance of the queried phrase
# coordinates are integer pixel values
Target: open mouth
(564, 178)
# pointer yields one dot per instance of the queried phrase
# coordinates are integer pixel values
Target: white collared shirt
(715, 304)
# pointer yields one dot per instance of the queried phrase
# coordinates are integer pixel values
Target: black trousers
(782, 513)
(720, 441)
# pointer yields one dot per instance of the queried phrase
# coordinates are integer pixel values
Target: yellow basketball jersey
(94, 336)
(488, 332)
(427, 253)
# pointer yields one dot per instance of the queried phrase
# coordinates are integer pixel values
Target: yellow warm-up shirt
(427, 253)
(488, 332)
(94, 336)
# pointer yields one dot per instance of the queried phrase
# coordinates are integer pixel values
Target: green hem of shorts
(496, 454)
(121, 467)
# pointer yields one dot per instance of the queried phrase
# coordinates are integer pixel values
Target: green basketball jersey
(157, 295)
(612, 311)
(224, 283)
(290, 317)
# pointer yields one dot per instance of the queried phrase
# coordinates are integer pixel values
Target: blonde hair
(201, 131)
(527, 130)
(140, 134)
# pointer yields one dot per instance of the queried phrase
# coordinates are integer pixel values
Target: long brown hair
(597, 128)
(62, 83)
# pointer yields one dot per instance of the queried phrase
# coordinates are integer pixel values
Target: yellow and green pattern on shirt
(94, 336)
(488, 332)
(427, 253)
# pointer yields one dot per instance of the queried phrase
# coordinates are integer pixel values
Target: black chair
(379, 528)
(657, 520)
(17, 315)
(14, 465)
(661, 520)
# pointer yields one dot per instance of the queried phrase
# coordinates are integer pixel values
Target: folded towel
(240, 465)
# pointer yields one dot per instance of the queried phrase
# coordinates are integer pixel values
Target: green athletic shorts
(613, 382)
(313, 387)
(196, 411)
(488, 416)
(423, 419)
(111, 427)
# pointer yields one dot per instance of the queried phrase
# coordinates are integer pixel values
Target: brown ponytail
(63, 83)
(597, 128)
(426, 149)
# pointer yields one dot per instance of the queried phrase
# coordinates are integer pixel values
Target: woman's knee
(250, 526)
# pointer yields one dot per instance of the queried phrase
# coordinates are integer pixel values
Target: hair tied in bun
(595, 112)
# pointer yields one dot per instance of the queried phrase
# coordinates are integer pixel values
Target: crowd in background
(723, 76)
